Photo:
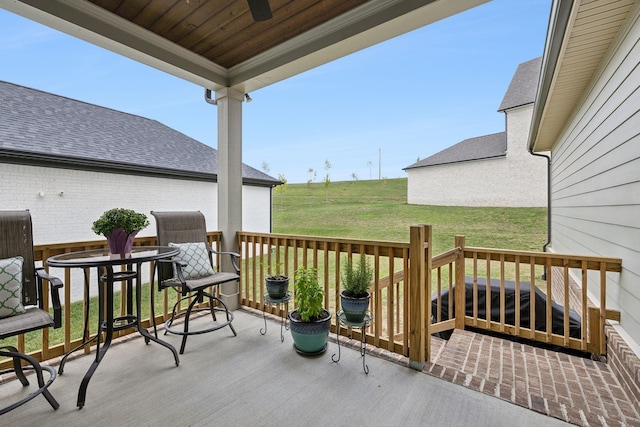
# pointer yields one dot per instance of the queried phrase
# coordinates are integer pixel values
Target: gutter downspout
(548, 242)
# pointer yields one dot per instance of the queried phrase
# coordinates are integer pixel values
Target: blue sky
(369, 114)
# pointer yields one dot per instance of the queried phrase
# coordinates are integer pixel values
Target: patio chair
(191, 273)
(21, 301)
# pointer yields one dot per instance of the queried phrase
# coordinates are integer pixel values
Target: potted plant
(354, 296)
(277, 284)
(120, 227)
(309, 322)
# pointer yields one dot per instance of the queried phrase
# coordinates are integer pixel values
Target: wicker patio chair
(21, 301)
(191, 273)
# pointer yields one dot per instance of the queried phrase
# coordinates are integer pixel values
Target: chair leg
(212, 307)
(169, 322)
(17, 365)
(215, 304)
(226, 311)
(18, 369)
(186, 324)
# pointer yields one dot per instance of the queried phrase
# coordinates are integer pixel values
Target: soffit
(591, 28)
(217, 44)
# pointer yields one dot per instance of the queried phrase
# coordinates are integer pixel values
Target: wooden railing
(406, 279)
(548, 272)
(284, 254)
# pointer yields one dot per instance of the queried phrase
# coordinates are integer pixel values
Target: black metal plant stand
(276, 301)
(363, 345)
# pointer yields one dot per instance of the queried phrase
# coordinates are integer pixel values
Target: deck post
(595, 331)
(229, 102)
(459, 283)
(419, 294)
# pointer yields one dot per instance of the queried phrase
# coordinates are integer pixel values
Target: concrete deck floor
(256, 380)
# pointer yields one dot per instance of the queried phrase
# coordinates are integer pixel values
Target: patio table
(104, 262)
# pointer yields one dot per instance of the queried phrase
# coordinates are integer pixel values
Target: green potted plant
(309, 322)
(120, 227)
(354, 296)
(277, 284)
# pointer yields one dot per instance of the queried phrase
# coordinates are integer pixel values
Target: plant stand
(273, 301)
(362, 325)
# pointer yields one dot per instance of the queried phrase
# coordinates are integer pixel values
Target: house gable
(523, 86)
(488, 170)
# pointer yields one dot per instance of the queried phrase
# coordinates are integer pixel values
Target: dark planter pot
(310, 338)
(277, 288)
(354, 309)
(120, 243)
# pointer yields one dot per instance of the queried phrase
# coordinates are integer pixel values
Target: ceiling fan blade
(260, 9)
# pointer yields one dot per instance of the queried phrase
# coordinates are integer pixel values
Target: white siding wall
(68, 217)
(596, 178)
(518, 180)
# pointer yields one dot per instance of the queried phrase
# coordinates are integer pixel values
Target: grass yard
(378, 210)
(375, 210)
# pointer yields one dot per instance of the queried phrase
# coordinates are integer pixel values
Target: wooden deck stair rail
(527, 267)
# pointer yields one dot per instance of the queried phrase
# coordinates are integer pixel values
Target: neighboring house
(587, 114)
(68, 161)
(489, 170)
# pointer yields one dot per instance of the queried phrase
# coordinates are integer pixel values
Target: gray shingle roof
(38, 125)
(480, 147)
(524, 85)
(521, 91)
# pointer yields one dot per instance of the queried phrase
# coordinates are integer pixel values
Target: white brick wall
(68, 217)
(64, 203)
(518, 180)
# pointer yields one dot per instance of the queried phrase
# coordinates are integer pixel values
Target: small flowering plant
(127, 219)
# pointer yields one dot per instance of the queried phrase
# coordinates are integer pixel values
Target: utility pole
(379, 163)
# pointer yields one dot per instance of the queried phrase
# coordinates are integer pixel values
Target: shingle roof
(524, 85)
(480, 147)
(38, 125)
(521, 91)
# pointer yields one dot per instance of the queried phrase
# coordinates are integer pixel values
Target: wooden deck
(252, 380)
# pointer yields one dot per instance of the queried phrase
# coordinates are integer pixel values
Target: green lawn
(375, 210)
(378, 210)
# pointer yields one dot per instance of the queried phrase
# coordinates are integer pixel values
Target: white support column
(229, 103)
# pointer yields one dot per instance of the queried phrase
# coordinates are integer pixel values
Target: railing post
(596, 331)
(460, 283)
(419, 294)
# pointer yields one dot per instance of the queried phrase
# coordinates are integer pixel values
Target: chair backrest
(16, 239)
(179, 227)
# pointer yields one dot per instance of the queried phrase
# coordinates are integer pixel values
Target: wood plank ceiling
(217, 44)
(223, 31)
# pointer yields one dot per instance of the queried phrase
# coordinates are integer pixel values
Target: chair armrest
(234, 258)
(55, 284)
(179, 265)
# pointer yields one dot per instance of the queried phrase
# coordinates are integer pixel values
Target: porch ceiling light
(247, 97)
